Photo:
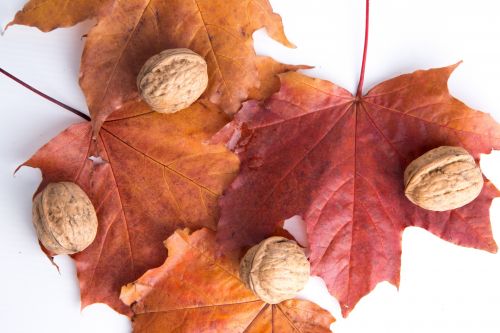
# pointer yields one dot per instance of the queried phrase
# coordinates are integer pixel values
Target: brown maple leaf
(269, 69)
(315, 150)
(48, 15)
(197, 291)
(157, 176)
(132, 31)
(129, 32)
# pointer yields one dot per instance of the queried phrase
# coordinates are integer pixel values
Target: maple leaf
(48, 15)
(269, 69)
(315, 150)
(132, 31)
(129, 32)
(197, 291)
(159, 176)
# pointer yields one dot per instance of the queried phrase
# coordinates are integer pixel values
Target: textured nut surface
(442, 179)
(64, 218)
(275, 269)
(172, 80)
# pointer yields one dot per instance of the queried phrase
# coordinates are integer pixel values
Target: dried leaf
(48, 15)
(132, 31)
(197, 291)
(268, 75)
(159, 176)
(315, 150)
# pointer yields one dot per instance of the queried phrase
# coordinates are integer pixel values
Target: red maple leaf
(315, 150)
(157, 175)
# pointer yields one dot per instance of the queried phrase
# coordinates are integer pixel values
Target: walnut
(64, 218)
(172, 80)
(442, 179)
(275, 269)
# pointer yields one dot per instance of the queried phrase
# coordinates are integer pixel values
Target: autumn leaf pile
(264, 143)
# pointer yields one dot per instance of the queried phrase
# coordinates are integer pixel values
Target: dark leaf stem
(38, 92)
(365, 50)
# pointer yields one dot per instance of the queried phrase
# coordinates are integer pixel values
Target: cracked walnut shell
(442, 179)
(64, 218)
(276, 269)
(172, 80)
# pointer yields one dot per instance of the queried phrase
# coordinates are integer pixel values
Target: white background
(444, 288)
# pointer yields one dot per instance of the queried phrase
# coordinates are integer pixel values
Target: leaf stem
(38, 92)
(365, 50)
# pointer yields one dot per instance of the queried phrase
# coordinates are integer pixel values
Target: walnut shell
(442, 179)
(276, 269)
(64, 218)
(172, 80)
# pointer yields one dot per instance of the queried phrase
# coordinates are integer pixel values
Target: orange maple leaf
(157, 175)
(48, 15)
(197, 291)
